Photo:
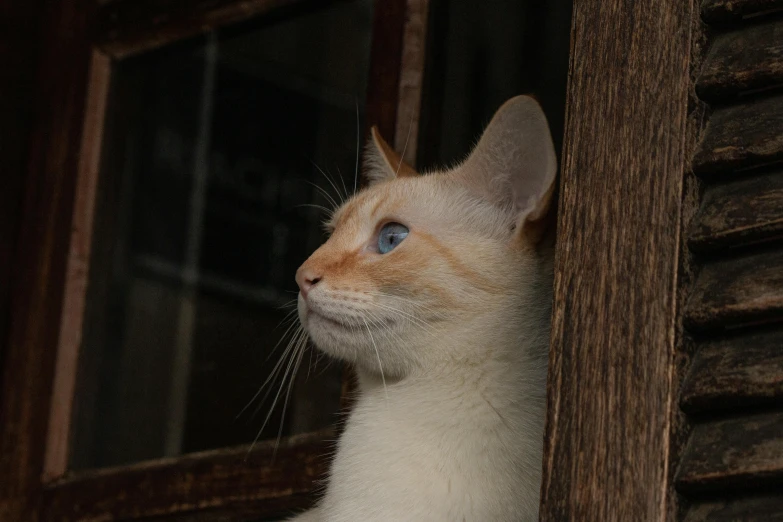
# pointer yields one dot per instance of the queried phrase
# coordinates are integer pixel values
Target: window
(78, 335)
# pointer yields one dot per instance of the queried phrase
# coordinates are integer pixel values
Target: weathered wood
(741, 213)
(406, 135)
(742, 136)
(383, 83)
(39, 266)
(228, 481)
(749, 509)
(737, 291)
(129, 27)
(743, 60)
(736, 372)
(723, 11)
(737, 453)
(606, 445)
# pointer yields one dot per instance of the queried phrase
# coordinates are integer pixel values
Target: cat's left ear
(382, 163)
(514, 163)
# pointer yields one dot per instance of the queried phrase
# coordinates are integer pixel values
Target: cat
(437, 288)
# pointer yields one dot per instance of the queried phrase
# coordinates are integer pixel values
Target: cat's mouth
(319, 317)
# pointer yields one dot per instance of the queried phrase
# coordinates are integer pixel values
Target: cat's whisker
(342, 180)
(356, 173)
(325, 194)
(378, 354)
(384, 327)
(274, 371)
(302, 346)
(279, 390)
(319, 207)
(405, 147)
(406, 315)
(331, 182)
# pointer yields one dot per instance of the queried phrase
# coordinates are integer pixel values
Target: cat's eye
(391, 235)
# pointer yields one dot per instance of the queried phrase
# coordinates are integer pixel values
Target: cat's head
(415, 263)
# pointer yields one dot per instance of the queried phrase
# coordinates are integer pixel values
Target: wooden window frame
(53, 259)
(612, 389)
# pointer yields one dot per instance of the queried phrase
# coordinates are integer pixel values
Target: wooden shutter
(731, 463)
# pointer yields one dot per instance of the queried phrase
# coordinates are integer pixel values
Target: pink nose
(306, 278)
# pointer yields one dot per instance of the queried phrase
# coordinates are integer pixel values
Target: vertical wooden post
(611, 358)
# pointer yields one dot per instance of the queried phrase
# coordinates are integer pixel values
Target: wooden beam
(613, 333)
(40, 260)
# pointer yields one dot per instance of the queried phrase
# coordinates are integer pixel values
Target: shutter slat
(733, 454)
(742, 136)
(736, 292)
(744, 60)
(737, 372)
(751, 509)
(722, 11)
(740, 213)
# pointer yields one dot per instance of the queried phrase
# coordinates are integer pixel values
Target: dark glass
(480, 54)
(207, 205)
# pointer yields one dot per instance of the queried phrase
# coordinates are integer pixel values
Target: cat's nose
(306, 278)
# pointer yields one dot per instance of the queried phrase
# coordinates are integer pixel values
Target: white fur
(452, 429)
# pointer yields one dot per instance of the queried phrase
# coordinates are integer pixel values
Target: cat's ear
(514, 163)
(382, 162)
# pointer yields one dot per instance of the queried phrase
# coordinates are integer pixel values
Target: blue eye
(390, 236)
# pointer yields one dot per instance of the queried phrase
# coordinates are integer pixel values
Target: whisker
(342, 180)
(325, 194)
(288, 395)
(378, 354)
(405, 147)
(356, 173)
(329, 179)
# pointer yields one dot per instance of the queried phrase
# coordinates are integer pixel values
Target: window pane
(480, 54)
(206, 207)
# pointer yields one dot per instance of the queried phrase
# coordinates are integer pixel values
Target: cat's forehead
(411, 198)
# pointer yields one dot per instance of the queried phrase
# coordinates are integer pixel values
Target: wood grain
(742, 136)
(749, 509)
(743, 60)
(737, 291)
(734, 373)
(733, 454)
(734, 11)
(39, 266)
(741, 213)
(130, 27)
(225, 482)
(611, 358)
(406, 135)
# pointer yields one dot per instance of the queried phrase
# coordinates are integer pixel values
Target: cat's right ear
(381, 162)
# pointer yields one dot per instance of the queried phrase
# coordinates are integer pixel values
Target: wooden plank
(743, 60)
(749, 509)
(737, 453)
(225, 482)
(406, 135)
(383, 82)
(741, 213)
(733, 11)
(129, 27)
(77, 277)
(736, 372)
(737, 291)
(611, 356)
(742, 136)
(39, 266)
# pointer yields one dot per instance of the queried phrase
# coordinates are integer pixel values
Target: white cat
(437, 289)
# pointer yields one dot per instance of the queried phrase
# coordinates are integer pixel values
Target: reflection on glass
(207, 206)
